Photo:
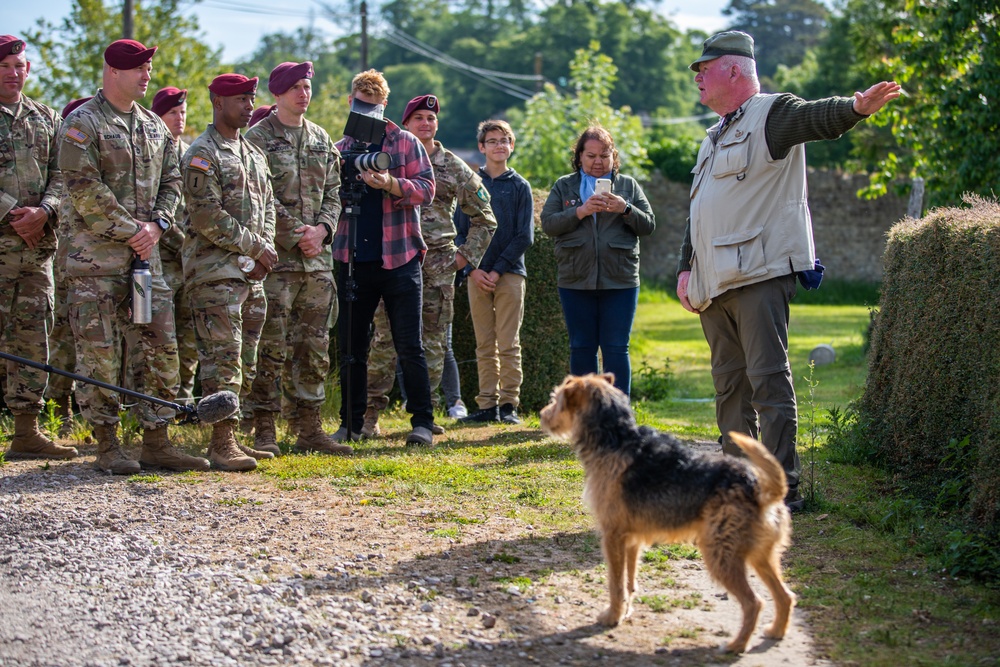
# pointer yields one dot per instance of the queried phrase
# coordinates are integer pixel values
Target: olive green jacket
(602, 251)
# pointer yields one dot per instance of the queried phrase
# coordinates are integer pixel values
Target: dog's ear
(609, 377)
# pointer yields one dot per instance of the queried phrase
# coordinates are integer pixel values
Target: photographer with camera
(384, 184)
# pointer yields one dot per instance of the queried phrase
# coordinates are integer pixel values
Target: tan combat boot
(255, 453)
(312, 438)
(110, 455)
(370, 428)
(157, 452)
(265, 436)
(293, 426)
(64, 410)
(30, 443)
(224, 451)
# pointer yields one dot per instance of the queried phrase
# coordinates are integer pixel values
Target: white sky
(237, 25)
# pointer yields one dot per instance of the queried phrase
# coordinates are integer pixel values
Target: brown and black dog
(645, 487)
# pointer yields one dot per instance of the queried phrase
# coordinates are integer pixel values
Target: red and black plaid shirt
(401, 238)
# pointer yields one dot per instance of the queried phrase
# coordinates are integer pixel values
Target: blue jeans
(402, 290)
(600, 319)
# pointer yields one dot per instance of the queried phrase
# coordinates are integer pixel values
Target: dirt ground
(502, 593)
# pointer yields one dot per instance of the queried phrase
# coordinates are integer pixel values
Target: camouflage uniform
(117, 171)
(301, 293)
(230, 213)
(173, 274)
(29, 173)
(455, 185)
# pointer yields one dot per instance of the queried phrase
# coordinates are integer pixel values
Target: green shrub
(934, 362)
(675, 157)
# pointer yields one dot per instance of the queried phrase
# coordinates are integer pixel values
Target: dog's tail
(773, 485)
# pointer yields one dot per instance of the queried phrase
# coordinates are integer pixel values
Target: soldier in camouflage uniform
(228, 250)
(122, 186)
(170, 104)
(62, 348)
(456, 185)
(301, 293)
(30, 187)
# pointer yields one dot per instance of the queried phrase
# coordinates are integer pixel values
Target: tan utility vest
(750, 217)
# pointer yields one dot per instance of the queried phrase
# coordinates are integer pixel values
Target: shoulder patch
(77, 135)
(198, 162)
(483, 194)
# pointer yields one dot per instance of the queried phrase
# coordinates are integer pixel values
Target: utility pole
(127, 19)
(364, 35)
(538, 71)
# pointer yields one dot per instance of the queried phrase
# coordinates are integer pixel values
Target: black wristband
(628, 209)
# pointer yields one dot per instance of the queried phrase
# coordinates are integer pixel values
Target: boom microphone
(211, 409)
(218, 407)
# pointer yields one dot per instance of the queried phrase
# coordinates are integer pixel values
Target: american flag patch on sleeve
(200, 163)
(76, 135)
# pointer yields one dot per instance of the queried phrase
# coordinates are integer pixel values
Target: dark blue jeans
(401, 289)
(600, 319)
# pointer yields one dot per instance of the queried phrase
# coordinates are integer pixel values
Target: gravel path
(227, 569)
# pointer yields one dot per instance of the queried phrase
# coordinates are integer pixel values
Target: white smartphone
(603, 186)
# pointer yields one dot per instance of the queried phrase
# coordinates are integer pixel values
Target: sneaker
(508, 414)
(341, 435)
(482, 416)
(458, 411)
(420, 435)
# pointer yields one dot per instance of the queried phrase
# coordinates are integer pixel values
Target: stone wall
(850, 233)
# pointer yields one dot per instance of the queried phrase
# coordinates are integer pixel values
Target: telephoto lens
(372, 161)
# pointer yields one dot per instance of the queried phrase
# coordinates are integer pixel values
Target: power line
(266, 10)
(487, 77)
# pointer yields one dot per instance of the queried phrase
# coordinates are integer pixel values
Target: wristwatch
(628, 209)
(163, 224)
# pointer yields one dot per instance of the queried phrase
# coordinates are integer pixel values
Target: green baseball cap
(729, 43)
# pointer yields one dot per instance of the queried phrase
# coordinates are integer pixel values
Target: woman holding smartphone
(596, 216)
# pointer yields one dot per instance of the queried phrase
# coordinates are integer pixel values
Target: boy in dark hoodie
(497, 287)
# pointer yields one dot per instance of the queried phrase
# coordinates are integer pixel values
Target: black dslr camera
(364, 130)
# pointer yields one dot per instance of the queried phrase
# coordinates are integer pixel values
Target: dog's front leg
(615, 557)
(632, 554)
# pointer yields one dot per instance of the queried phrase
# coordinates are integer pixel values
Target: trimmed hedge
(544, 341)
(934, 365)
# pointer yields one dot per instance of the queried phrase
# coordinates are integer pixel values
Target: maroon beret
(429, 102)
(10, 45)
(72, 106)
(168, 98)
(128, 54)
(260, 113)
(286, 75)
(228, 85)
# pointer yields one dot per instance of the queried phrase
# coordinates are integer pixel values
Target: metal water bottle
(142, 292)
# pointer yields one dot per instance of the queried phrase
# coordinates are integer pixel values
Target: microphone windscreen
(218, 406)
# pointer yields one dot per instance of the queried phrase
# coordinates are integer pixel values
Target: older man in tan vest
(750, 234)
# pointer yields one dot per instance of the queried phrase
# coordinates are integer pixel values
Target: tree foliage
(946, 55)
(553, 120)
(72, 53)
(511, 37)
(783, 31)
